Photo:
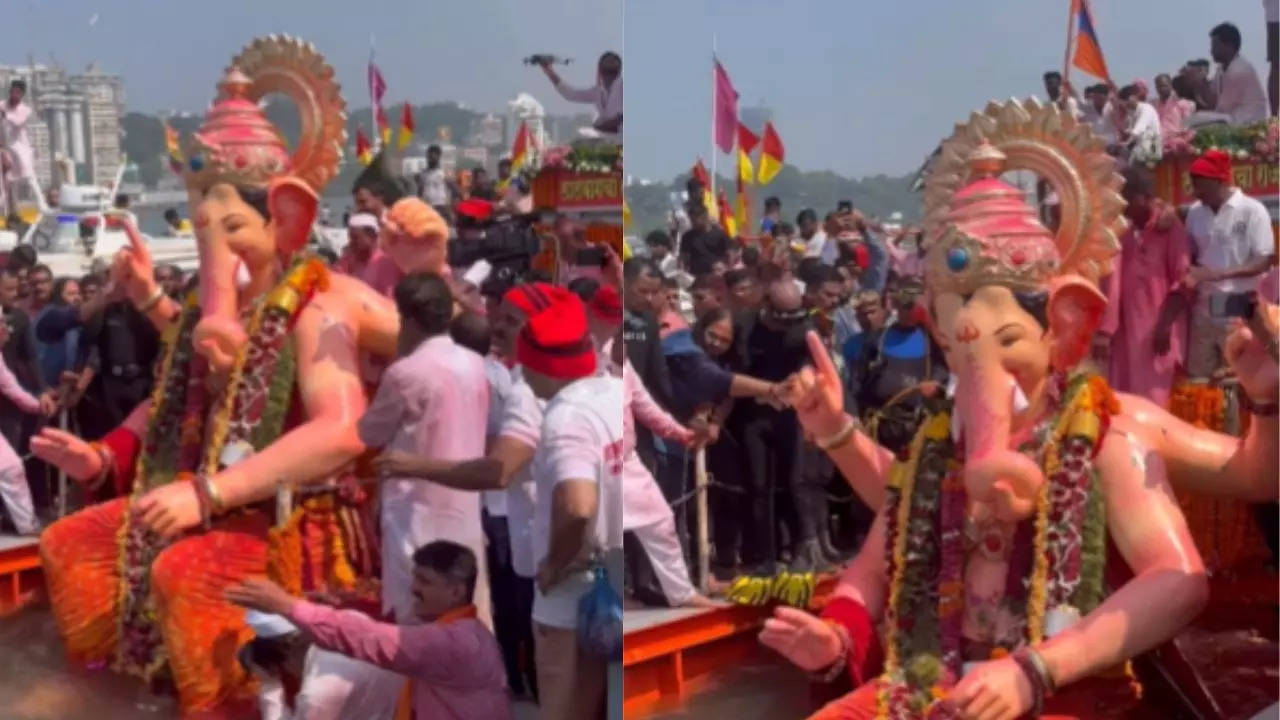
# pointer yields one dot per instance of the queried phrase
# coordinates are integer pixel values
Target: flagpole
(1066, 54)
(714, 118)
(373, 103)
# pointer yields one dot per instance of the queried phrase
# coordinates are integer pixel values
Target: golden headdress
(982, 232)
(238, 145)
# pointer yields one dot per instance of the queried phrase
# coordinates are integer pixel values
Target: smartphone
(1233, 305)
(590, 257)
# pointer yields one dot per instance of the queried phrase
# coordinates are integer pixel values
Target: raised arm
(816, 394)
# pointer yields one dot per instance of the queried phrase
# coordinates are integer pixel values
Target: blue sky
(864, 87)
(171, 52)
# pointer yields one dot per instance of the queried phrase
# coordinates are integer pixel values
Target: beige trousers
(571, 685)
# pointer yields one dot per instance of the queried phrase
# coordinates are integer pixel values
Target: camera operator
(606, 94)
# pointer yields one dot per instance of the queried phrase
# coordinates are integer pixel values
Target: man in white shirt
(606, 94)
(1099, 116)
(1065, 100)
(813, 237)
(1232, 247)
(19, 160)
(1235, 92)
(1144, 121)
(578, 521)
(434, 187)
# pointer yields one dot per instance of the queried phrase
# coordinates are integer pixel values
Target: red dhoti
(201, 631)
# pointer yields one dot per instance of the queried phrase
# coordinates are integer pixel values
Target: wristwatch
(1259, 409)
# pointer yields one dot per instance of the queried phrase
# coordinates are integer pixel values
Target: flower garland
(1200, 404)
(179, 405)
(926, 552)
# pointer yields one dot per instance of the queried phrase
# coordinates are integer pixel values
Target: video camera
(508, 243)
(547, 58)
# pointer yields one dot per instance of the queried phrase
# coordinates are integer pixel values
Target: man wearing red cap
(1232, 247)
(578, 520)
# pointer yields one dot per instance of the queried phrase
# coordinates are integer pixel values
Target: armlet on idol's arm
(119, 451)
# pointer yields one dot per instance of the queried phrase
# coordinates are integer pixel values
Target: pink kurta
(642, 501)
(433, 403)
(456, 667)
(10, 388)
(1151, 263)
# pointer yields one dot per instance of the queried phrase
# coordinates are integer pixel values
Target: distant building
(488, 130)
(79, 117)
(472, 157)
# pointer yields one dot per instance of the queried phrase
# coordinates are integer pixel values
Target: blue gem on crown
(957, 259)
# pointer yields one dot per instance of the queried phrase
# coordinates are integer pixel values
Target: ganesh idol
(257, 387)
(1028, 546)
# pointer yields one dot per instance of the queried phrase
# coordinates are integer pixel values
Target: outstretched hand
(68, 453)
(816, 392)
(259, 593)
(807, 641)
(1250, 350)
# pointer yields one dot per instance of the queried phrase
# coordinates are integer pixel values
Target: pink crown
(989, 235)
(236, 144)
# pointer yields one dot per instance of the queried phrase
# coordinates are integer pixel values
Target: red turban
(529, 298)
(607, 305)
(555, 342)
(1214, 164)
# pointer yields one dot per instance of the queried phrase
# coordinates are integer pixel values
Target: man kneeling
(452, 658)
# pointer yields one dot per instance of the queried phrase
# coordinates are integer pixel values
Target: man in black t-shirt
(119, 345)
(704, 244)
(774, 348)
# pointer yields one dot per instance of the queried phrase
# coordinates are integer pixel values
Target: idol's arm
(859, 599)
(1169, 586)
(333, 398)
(378, 320)
(865, 464)
(1206, 462)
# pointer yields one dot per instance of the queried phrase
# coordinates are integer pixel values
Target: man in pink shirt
(1172, 110)
(451, 657)
(1144, 333)
(431, 402)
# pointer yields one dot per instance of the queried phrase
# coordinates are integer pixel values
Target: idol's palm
(68, 453)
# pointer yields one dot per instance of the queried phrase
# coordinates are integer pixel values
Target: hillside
(878, 195)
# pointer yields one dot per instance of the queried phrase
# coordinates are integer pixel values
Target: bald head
(783, 295)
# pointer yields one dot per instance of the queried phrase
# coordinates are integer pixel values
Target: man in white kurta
(19, 161)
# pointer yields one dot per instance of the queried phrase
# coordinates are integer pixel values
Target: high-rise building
(77, 116)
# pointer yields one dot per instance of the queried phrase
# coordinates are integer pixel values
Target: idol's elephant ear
(293, 206)
(1076, 308)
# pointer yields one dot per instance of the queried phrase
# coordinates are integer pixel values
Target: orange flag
(699, 173)
(520, 148)
(364, 153)
(406, 126)
(772, 154)
(171, 146)
(1088, 56)
(726, 215)
(747, 142)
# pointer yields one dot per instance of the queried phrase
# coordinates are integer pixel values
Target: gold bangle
(840, 438)
(152, 301)
(215, 499)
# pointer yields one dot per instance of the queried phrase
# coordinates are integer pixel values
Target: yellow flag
(745, 172)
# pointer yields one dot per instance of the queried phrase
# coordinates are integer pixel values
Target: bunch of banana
(750, 590)
(794, 589)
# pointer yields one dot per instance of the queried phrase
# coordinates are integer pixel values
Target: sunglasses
(787, 317)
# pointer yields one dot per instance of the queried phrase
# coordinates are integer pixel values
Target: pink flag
(377, 86)
(726, 108)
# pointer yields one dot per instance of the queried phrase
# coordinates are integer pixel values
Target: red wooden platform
(20, 577)
(670, 654)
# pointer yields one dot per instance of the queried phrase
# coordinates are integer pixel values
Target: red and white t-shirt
(582, 439)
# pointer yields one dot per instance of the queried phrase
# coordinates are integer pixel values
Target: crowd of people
(715, 324)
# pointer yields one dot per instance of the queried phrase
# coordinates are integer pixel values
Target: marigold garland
(1076, 429)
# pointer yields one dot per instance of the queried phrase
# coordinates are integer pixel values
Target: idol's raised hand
(1251, 350)
(816, 393)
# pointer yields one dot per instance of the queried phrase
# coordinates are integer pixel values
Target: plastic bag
(600, 619)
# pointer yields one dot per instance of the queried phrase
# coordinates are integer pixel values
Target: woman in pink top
(450, 656)
(645, 513)
(14, 490)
